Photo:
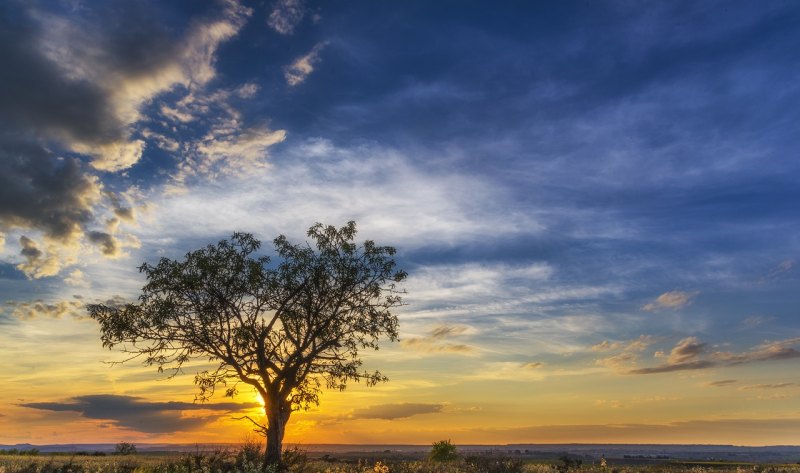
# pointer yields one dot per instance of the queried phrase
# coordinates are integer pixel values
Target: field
(298, 462)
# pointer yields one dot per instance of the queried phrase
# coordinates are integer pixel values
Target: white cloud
(286, 15)
(297, 72)
(76, 278)
(45, 261)
(392, 200)
(670, 300)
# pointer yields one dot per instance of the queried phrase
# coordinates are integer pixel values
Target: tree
(285, 329)
(125, 448)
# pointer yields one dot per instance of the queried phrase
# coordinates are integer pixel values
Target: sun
(257, 398)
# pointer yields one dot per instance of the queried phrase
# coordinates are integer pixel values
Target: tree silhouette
(286, 329)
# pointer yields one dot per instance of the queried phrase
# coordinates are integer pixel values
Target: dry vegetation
(248, 461)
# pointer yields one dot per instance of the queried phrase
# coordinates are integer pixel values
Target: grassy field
(221, 461)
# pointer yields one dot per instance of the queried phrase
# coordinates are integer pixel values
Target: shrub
(443, 451)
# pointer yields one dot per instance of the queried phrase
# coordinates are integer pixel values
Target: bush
(443, 451)
(125, 448)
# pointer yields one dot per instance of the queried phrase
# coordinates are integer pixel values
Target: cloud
(34, 309)
(778, 271)
(687, 350)
(286, 15)
(683, 356)
(628, 352)
(778, 350)
(137, 414)
(670, 300)
(79, 85)
(378, 187)
(766, 386)
(755, 321)
(396, 411)
(38, 263)
(122, 68)
(670, 367)
(37, 309)
(762, 431)
(433, 342)
(76, 278)
(44, 192)
(722, 382)
(691, 354)
(297, 72)
(605, 345)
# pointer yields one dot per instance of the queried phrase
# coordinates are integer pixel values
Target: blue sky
(606, 188)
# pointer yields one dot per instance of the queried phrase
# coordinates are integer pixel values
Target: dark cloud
(670, 367)
(722, 382)
(36, 93)
(396, 411)
(136, 414)
(73, 86)
(39, 190)
(29, 249)
(106, 242)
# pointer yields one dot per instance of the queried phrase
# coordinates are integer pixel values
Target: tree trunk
(278, 413)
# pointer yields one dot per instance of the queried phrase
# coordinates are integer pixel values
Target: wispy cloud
(379, 187)
(628, 352)
(286, 15)
(435, 341)
(750, 387)
(297, 72)
(670, 300)
(778, 271)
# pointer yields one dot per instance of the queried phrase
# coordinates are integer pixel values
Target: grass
(225, 461)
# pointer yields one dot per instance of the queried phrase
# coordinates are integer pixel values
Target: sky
(596, 202)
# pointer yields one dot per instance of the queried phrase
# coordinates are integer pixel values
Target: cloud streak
(135, 413)
(402, 410)
(692, 354)
(435, 342)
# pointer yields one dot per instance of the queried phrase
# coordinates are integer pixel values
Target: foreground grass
(224, 462)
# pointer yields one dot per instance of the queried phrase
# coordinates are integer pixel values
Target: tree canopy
(286, 329)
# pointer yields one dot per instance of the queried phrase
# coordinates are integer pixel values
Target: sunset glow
(596, 204)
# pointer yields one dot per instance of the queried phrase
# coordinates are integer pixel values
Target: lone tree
(286, 329)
